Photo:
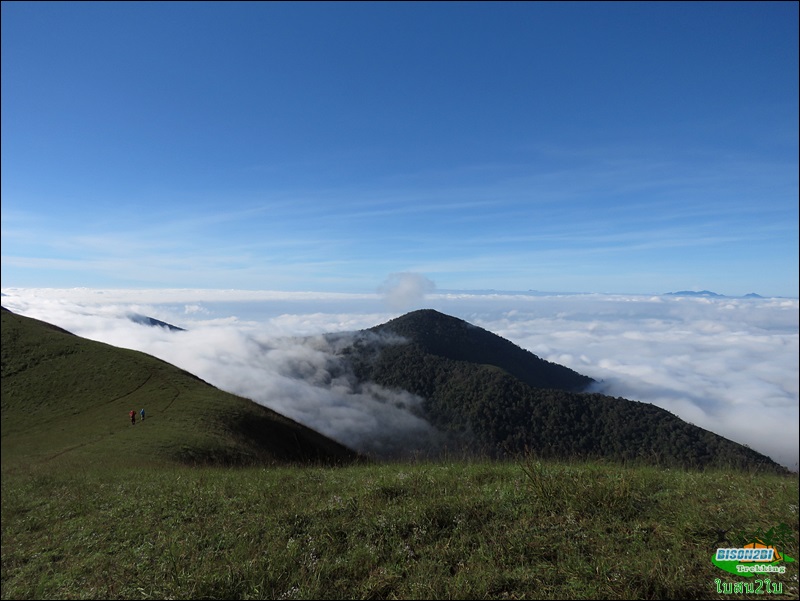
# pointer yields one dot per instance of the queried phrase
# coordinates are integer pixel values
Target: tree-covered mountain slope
(494, 397)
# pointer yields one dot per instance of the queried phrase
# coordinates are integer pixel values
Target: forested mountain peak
(453, 338)
(492, 397)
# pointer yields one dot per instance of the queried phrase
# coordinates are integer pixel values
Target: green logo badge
(757, 553)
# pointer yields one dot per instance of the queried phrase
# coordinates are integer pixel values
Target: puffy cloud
(403, 291)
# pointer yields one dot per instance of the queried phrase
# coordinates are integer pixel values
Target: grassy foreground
(462, 529)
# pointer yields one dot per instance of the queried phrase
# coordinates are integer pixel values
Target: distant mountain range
(708, 293)
(693, 293)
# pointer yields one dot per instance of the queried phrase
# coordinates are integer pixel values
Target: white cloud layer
(727, 365)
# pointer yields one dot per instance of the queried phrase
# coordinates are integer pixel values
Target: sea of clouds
(729, 365)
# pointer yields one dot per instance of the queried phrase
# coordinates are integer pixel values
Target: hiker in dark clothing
(142, 414)
(133, 417)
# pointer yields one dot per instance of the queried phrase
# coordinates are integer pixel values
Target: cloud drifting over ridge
(727, 365)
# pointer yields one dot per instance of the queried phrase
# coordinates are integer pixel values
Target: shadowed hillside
(495, 397)
(452, 338)
(62, 394)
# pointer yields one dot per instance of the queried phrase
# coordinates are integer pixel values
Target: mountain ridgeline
(451, 338)
(492, 397)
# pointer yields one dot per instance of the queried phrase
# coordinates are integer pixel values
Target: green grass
(215, 497)
(516, 530)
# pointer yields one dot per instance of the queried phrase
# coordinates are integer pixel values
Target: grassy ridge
(426, 530)
(62, 394)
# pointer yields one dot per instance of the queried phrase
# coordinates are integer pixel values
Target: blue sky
(631, 147)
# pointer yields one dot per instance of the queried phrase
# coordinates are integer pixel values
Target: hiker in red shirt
(133, 417)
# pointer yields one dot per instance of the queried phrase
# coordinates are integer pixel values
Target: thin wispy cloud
(576, 215)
